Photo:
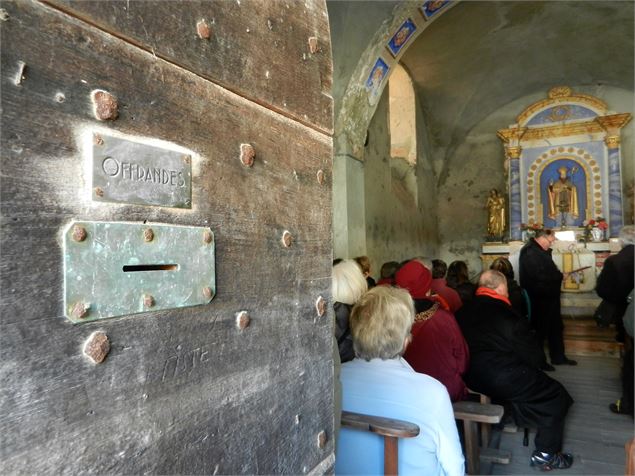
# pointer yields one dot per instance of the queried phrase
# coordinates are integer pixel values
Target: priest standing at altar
(542, 280)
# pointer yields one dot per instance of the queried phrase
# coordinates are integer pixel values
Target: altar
(563, 166)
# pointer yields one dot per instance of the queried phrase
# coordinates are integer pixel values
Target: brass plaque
(118, 268)
(126, 171)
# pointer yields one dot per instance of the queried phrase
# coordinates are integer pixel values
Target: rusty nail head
(99, 140)
(321, 439)
(97, 347)
(203, 30)
(186, 159)
(148, 300)
(79, 233)
(313, 45)
(287, 239)
(207, 236)
(242, 320)
(320, 306)
(148, 235)
(207, 292)
(105, 105)
(320, 176)
(99, 192)
(79, 310)
(247, 154)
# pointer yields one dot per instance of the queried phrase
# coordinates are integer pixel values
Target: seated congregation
(413, 344)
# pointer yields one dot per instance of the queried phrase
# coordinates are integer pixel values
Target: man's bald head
(494, 280)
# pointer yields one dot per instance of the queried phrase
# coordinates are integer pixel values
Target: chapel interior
(435, 105)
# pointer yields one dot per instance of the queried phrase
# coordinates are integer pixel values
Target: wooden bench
(471, 414)
(630, 457)
(389, 428)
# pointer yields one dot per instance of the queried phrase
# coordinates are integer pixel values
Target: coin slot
(149, 267)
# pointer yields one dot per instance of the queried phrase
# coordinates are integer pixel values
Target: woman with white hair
(380, 382)
(348, 285)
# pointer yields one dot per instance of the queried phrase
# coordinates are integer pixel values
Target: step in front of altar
(582, 336)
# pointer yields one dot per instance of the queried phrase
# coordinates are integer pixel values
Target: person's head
(348, 282)
(439, 268)
(415, 278)
(545, 238)
(389, 269)
(364, 263)
(457, 273)
(562, 172)
(380, 323)
(504, 266)
(627, 235)
(493, 193)
(494, 280)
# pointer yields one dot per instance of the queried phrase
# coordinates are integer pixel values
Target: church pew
(472, 413)
(391, 429)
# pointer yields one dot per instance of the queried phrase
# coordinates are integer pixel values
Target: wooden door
(198, 389)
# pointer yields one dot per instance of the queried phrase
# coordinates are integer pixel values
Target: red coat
(438, 349)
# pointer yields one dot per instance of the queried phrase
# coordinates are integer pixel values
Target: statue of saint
(563, 197)
(495, 214)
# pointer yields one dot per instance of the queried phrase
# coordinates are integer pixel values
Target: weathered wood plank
(181, 391)
(280, 69)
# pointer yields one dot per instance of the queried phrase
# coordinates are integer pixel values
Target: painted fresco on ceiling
(376, 78)
(561, 112)
(401, 37)
(432, 7)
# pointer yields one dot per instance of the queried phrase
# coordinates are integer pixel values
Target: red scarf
(493, 294)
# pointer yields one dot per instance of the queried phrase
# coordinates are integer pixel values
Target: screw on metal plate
(148, 300)
(203, 29)
(320, 176)
(320, 306)
(207, 236)
(208, 292)
(79, 233)
(287, 239)
(148, 235)
(242, 320)
(99, 191)
(313, 45)
(321, 439)
(98, 139)
(79, 310)
(97, 347)
(186, 159)
(247, 155)
(105, 105)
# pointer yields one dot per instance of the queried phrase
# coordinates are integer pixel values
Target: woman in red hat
(437, 348)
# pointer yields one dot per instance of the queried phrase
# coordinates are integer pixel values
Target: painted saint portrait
(401, 37)
(432, 7)
(376, 77)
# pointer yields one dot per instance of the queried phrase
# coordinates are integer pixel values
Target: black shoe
(620, 409)
(564, 361)
(547, 368)
(549, 461)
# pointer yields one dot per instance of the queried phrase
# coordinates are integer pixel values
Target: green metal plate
(118, 268)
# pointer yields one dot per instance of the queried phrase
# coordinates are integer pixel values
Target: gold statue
(563, 197)
(496, 214)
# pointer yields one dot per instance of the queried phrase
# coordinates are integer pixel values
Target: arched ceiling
(480, 56)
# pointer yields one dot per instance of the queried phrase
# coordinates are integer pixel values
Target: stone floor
(593, 434)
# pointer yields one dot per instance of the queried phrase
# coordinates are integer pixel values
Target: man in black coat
(614, 284)
(542, 280)
(505, 361)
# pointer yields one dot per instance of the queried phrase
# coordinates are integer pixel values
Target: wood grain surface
(258, 48)
(181, 391)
